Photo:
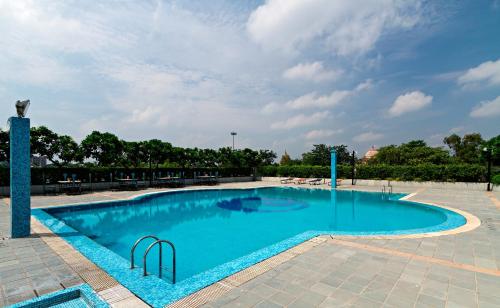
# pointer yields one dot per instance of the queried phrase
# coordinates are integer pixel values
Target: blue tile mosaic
(20, 176)
(75, 297)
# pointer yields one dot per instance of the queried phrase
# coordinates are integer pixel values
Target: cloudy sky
(284, 74)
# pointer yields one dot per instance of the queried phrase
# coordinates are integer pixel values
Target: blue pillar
(333, 167)
(20, 177)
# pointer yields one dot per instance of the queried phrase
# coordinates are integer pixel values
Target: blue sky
(283, 74)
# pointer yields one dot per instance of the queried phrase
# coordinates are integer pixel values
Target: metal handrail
(135, 245)
(160, 261)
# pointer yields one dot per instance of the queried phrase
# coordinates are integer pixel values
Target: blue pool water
(213, 227)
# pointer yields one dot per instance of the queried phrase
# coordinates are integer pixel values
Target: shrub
(421, 172)
(496, 179)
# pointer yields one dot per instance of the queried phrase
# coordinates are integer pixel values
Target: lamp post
(353, 167)
(488, 174)
(233, 134)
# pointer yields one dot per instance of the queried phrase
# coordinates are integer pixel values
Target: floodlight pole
(233, 134)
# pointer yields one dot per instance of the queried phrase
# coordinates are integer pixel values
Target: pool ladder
(387, 191)
(156, 242)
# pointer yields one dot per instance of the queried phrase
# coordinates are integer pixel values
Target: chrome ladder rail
(145, 273)
(135, 246)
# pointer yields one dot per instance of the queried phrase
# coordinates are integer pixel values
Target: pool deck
(453, 270)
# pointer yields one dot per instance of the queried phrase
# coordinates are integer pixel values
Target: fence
(42, 176)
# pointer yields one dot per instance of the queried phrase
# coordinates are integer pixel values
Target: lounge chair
(339, 182)
(299, 181)
(314, 181)
(286, 180)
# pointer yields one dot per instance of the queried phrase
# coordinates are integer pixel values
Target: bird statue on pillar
(22, 108)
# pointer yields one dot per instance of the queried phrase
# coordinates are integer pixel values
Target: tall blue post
(333, 168)
(20, 177)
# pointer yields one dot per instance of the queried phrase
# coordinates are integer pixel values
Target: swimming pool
(218, 232)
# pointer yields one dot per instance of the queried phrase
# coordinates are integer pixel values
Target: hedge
(422, 172)
(496, 179)
(106, 174)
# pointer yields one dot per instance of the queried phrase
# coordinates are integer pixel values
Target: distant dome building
(372, 152)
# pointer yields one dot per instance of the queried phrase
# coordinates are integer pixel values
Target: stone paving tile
(282, 298)
(267, 304)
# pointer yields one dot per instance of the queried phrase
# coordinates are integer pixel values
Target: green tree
(412, 153)
(343, 155)
(494, 145)
(207, 158)
(68, 150)
(133, 154)
(225, 157)
(45, 142)
(390, 154)
(179, 157)
(4, 146)
(320, 155)
(467, 149)
(266, 157)
(418, 152)
(105, 148)
(156, 151)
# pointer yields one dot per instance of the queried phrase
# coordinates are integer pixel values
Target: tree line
(468, 149)
(107, 150)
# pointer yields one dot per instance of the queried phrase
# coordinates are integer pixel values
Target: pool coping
(62, 296)
(218, 277)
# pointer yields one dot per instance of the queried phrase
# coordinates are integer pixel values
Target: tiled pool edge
(219, 276)
(118, 268)
(105, 286)
(87, 293)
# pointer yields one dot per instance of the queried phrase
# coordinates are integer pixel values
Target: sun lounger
(339, 182)
(315, 181)
(286, 180)
(299, 181)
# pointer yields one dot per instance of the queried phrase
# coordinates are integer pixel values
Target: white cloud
(164, 97)
(487, 109)
(366, 85)
(313, 100)
(38, 38)
(367, 137)
(321, 133)
(301, 120)
(458, 129)
(487, 73)
(409, 102)
(271, 108)
(346, 27)
(311, 71)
